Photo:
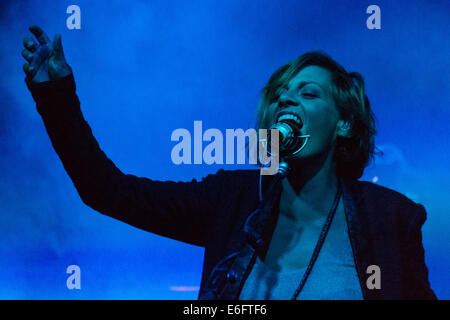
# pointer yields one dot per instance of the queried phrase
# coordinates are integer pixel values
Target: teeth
(290, 117)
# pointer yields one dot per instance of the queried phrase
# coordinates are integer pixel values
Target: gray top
(333, 276)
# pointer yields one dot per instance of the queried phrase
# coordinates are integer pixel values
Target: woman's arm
(179, 210)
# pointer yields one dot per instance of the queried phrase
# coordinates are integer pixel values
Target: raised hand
(45, 59)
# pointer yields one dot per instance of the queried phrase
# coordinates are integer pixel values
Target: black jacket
(384, 226)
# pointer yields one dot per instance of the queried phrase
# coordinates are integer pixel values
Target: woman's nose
(286, 100)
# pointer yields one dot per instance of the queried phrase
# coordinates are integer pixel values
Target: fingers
(30, 44)
(27, 55)
(28, 69)
(39, 34)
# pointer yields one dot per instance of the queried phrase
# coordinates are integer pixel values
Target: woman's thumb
(57, 46)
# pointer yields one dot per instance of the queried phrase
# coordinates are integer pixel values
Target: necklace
(320, 241)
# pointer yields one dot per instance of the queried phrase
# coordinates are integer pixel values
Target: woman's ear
(344, 129)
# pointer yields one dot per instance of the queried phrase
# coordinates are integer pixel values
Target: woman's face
(308, 96)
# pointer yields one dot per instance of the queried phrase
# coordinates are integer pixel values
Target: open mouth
(290, 118)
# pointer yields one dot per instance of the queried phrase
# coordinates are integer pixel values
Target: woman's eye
(309, 95)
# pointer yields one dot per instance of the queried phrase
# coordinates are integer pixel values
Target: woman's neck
(310, 185)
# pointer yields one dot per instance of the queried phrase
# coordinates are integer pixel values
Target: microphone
(291, 141)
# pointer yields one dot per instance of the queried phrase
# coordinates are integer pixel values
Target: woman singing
(311, 231)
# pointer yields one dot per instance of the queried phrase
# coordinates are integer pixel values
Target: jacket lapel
(358, 230)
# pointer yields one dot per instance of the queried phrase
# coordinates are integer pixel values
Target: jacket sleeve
(417, 286)
(178, 210)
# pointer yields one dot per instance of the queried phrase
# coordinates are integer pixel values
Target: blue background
(146, 68)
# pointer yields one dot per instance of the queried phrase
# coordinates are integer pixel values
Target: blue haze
(146, 68)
